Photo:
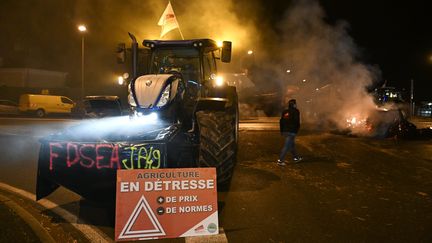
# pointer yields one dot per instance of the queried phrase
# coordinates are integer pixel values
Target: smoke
(216, 20)
(322, 54)
(325, 74)
(43, 34)
(109, 22)
(113, 19)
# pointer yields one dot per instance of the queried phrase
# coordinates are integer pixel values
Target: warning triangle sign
(141, 225)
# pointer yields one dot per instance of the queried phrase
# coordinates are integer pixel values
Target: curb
(91, 233)
(31, 221)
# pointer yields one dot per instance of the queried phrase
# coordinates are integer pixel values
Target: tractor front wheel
(217, 131)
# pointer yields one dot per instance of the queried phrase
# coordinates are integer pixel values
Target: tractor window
(143, 61)
(209, 65)
(185, 61)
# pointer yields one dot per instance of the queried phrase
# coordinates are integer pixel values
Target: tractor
(182, 114)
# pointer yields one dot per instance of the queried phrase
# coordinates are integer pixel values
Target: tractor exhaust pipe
(134, 49)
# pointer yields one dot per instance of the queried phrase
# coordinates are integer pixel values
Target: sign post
(166, 203)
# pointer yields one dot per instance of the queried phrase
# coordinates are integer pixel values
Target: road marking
(93, 234)
(31, 221)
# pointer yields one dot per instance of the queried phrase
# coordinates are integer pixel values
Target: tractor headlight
(219, 81)
(131, 99)
(163, 100)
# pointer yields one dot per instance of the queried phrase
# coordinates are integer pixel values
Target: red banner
(166, 203)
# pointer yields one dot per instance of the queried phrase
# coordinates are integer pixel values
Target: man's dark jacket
(290, 120)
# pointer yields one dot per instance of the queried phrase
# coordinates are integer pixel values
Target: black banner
(89, 169)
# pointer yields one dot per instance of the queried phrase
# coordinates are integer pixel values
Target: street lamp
(120, 80)
(82, 29)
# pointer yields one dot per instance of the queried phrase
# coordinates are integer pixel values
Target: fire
(355, 121)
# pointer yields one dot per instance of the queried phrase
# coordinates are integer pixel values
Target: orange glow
(219, 81)
(120, 80)
(82, 28)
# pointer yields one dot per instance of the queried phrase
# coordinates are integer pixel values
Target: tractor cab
(180, 78)
(195, 59)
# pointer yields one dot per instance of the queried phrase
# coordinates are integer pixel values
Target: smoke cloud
(318, 64)
(197, 19)
(110, 20)
(324, 62)
(297, 39)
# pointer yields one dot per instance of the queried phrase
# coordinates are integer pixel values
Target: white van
(45, 104)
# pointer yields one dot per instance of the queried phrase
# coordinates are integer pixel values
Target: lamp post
(82, 29)
(120, 80)
(412, 104)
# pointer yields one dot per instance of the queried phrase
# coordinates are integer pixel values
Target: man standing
(289, 127)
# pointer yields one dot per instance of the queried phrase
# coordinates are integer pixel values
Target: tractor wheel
(234, 110)
(218, 143)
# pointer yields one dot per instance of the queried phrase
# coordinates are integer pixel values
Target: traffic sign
(166, 203)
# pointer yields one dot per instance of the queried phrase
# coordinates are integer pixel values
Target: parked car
(425, 109)
(41, 105)
(99, 106)
(8, 107)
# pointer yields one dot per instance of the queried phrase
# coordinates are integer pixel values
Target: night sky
(392, 35)
(395, 35)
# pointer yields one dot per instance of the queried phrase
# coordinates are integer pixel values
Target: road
(347, 189)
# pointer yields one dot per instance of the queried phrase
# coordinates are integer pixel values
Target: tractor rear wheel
(218, 143)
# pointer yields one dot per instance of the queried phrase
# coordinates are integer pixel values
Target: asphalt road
(346, 190)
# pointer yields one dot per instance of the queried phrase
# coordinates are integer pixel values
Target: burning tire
(218, 143)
